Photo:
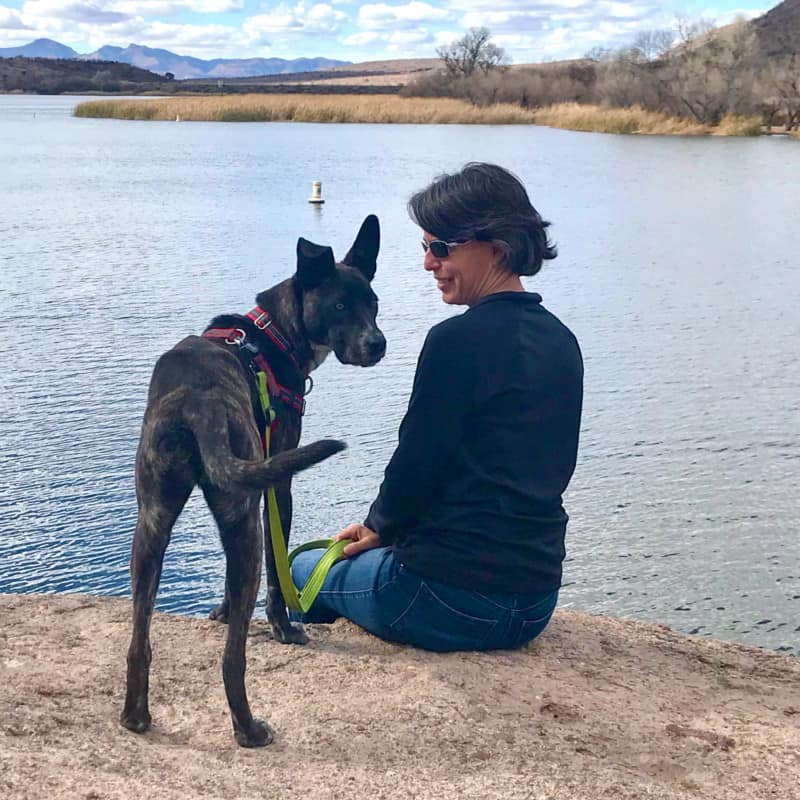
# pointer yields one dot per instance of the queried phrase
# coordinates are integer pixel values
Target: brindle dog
(200, 429)
(326, 306)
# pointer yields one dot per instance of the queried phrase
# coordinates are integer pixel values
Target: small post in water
(316, 193)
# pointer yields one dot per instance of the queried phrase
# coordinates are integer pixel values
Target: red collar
(264, 322)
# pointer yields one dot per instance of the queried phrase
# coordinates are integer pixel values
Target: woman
(462, 549)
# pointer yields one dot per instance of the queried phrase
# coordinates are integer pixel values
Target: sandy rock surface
(597, 708)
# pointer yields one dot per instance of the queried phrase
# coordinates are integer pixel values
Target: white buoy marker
(316, 193)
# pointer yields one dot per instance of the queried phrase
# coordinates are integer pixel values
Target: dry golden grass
(395, 109)
(308, 108)
(731, 125)
(576, 117)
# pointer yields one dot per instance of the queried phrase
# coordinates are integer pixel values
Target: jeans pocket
(531, 628)
(433, 623)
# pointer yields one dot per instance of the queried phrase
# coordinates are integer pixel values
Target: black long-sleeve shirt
(472, 494)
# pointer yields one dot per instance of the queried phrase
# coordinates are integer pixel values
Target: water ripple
(683, 507)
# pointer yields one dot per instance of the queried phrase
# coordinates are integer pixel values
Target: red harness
(238, 336)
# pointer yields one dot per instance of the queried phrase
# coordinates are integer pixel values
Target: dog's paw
(258, 735)
(291, 633)
(138, 723)
(220, 613)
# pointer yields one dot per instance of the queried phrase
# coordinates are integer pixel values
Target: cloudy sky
(529, 30)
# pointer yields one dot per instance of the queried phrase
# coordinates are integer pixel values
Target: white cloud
(70, 10)
(215, 6)
(10, 20)
(202, 41)
(360, 39)
(320, 18)
(529, 30)
(323, 18)
(418, 36)
(383, 16)
(535, 30)
(168, 8)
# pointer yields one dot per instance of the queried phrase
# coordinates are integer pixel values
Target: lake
(678, 272)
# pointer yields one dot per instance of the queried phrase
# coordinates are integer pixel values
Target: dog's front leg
(242, 540)
(282, 629)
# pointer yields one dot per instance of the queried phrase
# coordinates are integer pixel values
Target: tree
(102, 78)
(688, 30)
(471, 52)
(714, 73)
(652, 45)
(780, 86)
(600, 54)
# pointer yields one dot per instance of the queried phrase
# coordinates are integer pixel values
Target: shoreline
(395, 109)
(596, 707)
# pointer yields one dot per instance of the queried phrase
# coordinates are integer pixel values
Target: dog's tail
(209, 425)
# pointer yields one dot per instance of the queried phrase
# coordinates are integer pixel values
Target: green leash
(296, 599)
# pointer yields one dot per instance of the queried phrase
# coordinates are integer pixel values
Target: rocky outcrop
(597, 708)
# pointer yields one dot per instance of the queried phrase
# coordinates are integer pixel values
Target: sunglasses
(439, 248)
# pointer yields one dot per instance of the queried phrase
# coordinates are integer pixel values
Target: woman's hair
(486, 203)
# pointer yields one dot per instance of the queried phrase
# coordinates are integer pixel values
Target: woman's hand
(362, 538)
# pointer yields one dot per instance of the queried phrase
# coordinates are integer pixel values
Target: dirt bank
(598, 708)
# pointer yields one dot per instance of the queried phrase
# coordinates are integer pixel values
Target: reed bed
(407, 110)
(597, 119)
(309, 108)
(731, 125)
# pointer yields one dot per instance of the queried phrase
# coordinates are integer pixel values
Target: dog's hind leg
(157, 515)
(242, 537)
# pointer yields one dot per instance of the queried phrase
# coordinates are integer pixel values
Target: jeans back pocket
(535, 620)
(431, 620)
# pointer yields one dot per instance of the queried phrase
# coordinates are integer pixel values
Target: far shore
(394, 109)
(595, 708)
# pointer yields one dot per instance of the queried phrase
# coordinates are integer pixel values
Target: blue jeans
(377, 592)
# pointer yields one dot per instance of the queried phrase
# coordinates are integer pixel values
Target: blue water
(678, 272)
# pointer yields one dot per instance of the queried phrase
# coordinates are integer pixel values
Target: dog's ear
(363, 255)
(314, 263)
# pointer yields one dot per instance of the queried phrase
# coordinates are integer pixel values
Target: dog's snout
(376, 346)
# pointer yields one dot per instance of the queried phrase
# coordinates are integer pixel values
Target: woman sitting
(462, 549)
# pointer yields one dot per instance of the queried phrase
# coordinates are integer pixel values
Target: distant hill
(41, 48)
(70, 76)
(779, 29)
(164, 61)
(393, 66)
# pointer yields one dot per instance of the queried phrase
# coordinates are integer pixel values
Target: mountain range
(164, 61)
(778, 32)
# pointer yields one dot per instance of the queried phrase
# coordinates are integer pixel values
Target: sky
(528, 30)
